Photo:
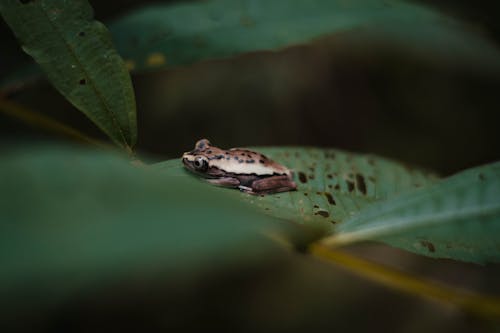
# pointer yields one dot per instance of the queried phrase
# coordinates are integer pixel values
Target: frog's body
(247, 170)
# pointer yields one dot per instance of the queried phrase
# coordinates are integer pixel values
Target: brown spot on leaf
(323, 213)
(311, 176)
(329, 154)
(316, 206)
(329, 176)
(350, 185)
(428, 245)
(82, 82)
(360, 182)
(337, 187)
(330, 199)
(302, 177)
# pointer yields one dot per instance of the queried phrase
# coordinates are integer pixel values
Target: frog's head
(199, 160)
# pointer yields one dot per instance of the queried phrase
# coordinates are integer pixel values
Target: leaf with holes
(458, 218)
(79, 59)
(332, 184)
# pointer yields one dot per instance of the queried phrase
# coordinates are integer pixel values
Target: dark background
(383, 100)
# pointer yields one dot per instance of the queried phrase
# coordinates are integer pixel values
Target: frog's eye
(201, 164)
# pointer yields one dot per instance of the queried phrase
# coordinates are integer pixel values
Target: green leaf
(79, 59)
(176, 34)
(457, 218)
(71, 220)
(184, 33)
(332, 184)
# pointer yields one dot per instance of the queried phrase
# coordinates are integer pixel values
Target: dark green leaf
(457, 218)
(71, 220)
(185, 33)
(77, 54)
(169, 35)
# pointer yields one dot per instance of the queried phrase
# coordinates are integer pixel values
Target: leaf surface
(457, 218)
(332, 184)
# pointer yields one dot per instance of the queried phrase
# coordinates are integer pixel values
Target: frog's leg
(274, 184)
(224, 181)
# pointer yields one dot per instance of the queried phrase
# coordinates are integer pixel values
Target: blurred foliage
(93, 219)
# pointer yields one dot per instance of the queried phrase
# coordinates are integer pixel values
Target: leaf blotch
(428, 245)
(302, 177)
(350, 185)
(322, 213)
(360, 182)
(330, 199)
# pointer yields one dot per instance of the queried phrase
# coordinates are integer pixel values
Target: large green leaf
(457, 218)
(184, 33)
(79, 59)
(173, 34)
(72, 220)
(332, 184)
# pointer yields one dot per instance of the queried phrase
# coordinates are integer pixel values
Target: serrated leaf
(457, 218)
(72, 220)
(332, 184)
(77, 54)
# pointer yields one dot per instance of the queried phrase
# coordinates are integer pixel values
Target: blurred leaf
(169, 35)
(79, 59)
(457, 218)
(73, 220)
(185, 33)
(332, 184)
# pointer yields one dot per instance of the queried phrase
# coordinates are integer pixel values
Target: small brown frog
(250, 171)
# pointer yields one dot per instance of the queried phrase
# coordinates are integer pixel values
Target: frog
(249, 171)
